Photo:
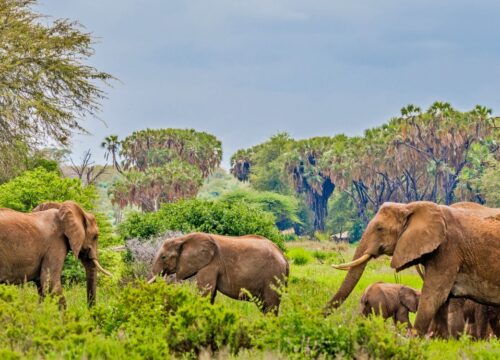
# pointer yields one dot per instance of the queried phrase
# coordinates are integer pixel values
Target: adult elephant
(235, 266)
(33, 246)
(458, 249)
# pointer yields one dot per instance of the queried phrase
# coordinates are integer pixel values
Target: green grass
(158, 321)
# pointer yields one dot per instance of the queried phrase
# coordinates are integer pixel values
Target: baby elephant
(235, 266)
(390, 300)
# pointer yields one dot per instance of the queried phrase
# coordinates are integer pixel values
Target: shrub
(285, 208)
(214, 217)
(299, 256)
(31, 188)
(176, 316)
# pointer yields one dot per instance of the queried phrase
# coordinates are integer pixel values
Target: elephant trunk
(350, 281)
(91, 272)
(157, 269)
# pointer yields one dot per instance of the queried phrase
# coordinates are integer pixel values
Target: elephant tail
(287, 273)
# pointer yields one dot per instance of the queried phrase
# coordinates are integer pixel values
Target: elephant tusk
(349, 265)
(100, 268)
(152, 280)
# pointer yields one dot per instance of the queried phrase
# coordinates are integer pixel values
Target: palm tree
(112, 145)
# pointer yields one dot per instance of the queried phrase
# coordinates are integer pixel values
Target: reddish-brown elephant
(231, 265)
(458, 249)
(33, 246)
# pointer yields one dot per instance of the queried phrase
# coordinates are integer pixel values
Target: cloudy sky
(244, 70)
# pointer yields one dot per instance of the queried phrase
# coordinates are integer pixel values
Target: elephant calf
(234, 266)
(478, 320)
(390, 301)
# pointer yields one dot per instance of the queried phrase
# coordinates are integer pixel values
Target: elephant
(235, 266)
(478, 320)
(33, 246)
(390, 300)
(458, 247)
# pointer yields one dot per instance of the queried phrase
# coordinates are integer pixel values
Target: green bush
(299, 256)
(216, 217)
(285, 208)
(175, 314)
(31, 188)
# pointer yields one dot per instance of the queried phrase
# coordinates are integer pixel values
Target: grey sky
(244, 70)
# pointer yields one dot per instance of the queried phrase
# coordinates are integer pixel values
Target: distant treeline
(441, 155)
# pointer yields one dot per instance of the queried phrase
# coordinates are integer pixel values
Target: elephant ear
(424, 232)
(196, 251)
(46, 206)
(409, 298)
(73, 222)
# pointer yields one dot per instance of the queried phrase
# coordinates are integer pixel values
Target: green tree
(45, 83)
(262, 164)
(285, 208)
(490, 185)
(33, 187)
(164, 165)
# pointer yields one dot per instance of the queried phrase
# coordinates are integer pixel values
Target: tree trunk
(319, 204)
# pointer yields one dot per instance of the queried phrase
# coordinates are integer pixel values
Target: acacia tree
(164, 165)
(46, 87)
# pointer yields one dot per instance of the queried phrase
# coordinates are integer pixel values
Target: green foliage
(162, 165)
(46, 84)
(36, 186)
(262, 164)
(490, 185)
(216, 217)
(342, 214)
(299, 256)
(176, 315)
(217, 184)
(284, 207)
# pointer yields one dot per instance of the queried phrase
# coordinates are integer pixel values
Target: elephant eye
(164, 257)
(379, 228)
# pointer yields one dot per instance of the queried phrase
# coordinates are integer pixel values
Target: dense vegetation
(162, 165)
(217, 217)
(441, 155)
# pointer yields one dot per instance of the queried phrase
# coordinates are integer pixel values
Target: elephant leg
(479, 329)
(39, 288)
(206, 280)
(402, 316)
(50, 279)
(456, 317)
(435, 292)
(439, 325)
(270, 301)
